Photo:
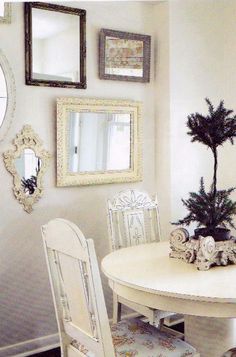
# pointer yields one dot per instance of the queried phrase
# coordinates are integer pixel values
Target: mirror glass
(28, 166)
(3, 96)
(55, 46)
(123, 57)
(5, 12)
(99, 142)
(1, 9)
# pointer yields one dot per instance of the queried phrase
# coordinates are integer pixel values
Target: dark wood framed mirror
(124, 56)
(55, 45)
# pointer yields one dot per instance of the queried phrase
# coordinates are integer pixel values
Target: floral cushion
(134, 338)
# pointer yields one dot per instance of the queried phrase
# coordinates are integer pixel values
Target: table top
(147, 267)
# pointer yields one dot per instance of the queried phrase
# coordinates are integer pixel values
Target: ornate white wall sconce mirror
(5, 13)
(27, 163)
(55, 45)
(7, 95)
(98, 141)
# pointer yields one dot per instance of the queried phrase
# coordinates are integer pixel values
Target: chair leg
(161, 323)
(116, 309)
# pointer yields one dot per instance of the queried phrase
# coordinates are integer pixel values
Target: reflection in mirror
(1, 9)
(123, 57)
(5, 12)
(55, 45)
(28, 167)
(54, 34)
(27, 163)
(3, 96)
(99, 142)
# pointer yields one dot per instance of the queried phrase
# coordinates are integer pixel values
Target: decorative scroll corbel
(203, 252)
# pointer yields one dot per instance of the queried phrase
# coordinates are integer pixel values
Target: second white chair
(133, 218)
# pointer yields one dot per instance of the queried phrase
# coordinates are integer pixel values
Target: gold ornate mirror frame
(26, 139)
(65, 108)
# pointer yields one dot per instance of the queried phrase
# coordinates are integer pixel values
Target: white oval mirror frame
(3, 96)
(11, 95)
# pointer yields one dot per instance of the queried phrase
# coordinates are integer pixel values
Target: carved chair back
(133, 218)
(77, 291)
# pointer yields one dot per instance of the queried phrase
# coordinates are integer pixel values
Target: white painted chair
(80, 307)
(133, 218)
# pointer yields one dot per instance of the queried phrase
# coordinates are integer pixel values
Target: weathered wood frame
(28, 45)
(146, 39)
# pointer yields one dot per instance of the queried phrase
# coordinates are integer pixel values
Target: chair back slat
(77, 290)
(133, 219)
(134, 227)
(73, 278)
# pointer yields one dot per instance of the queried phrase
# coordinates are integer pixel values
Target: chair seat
(134, 338)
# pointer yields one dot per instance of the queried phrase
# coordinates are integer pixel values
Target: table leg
(210, 336)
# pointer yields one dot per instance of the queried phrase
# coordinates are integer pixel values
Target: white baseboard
(30, 347)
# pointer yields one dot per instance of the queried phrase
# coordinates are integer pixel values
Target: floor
(52, 353)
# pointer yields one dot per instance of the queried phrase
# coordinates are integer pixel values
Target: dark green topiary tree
(212, 209)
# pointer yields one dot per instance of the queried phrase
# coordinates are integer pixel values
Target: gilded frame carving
(27, 138)
(67, 105)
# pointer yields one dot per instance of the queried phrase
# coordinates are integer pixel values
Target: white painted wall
(162, 113)
(202, 58)
(26, 307)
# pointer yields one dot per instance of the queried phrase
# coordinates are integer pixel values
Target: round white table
(146, 275)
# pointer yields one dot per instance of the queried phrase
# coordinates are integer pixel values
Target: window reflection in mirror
(56, 44)
(3, 96)
(28, 167)
(1, 9)
(99, 142)
(5, 12)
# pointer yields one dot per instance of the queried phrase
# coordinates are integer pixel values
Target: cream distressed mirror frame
(6, 18)
(11, 96)
(26, 139)
(65, 106)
